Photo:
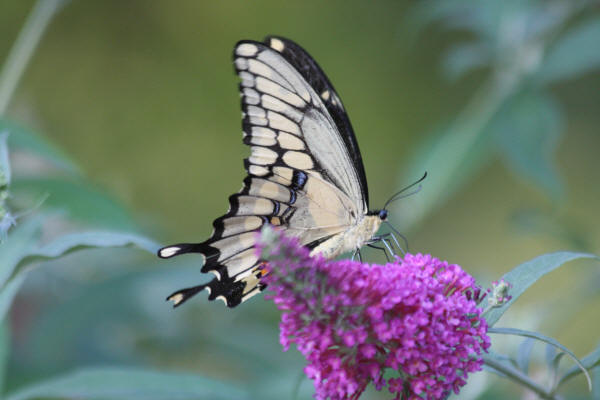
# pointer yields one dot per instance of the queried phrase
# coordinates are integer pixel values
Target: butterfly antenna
(399, 195)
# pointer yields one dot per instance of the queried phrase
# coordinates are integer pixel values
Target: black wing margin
(314, 75)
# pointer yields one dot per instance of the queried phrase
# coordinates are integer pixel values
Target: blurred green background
(498, 101)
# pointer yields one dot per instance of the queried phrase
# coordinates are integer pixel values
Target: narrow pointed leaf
(8, 293)
(526, 274)
(79, 241)
(596, 388)
(550, 354)
(4, 352)
(501, 359)
(590, 361)
(575, 53)
(504, 369)
(4, 161)
(129, 384)
(20, 242)
(78, 199)
(25, 140)
(527, 131)
(546, 339)
(463, 58)
(20, 250)
(524, 354)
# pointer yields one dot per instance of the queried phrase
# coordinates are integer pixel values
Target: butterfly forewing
(303, 173)
(316, 78)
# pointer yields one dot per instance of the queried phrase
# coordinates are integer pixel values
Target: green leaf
(524, 354)
(8, 293)
(80, 200)
(545, 222)
(4, 161)
(433, 155)
(526, 274)
(463, 58)
(21, 249)
(21, 138)
(596, 389)
(546, 339)
(504, 369)
(7, 220)
(425, 13)
(503, 358)
(553, 367)
(590, 361)
(129, 384)
(21, 241)
(481, 18)
(526, 130)
(575, 53)
(4, 352)
(552, 357)
(70, 243)
(17, 245)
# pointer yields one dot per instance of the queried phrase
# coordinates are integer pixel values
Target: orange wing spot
(261, 269)
(275, 221)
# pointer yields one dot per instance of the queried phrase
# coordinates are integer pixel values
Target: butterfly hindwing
(304, 171)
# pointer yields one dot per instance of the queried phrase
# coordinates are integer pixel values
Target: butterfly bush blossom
(417, 316)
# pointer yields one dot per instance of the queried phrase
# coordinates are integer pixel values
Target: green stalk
(23, 48)
(519, 377)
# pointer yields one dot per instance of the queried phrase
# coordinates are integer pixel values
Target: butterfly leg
(393, 234)
(382, 239)
(387, 246)
(395, 239)
(357, 254)
(380, 248)
(392, 242)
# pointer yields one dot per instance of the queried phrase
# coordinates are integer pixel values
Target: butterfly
(305, 172)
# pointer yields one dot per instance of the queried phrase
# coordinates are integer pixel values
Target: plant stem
(520, 377)
(23, 48)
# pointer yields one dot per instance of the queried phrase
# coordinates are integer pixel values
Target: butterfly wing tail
(232, 259)
(177, 249)
(232, 293)
(181, 296)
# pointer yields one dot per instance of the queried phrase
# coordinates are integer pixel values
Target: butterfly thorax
(354, 238)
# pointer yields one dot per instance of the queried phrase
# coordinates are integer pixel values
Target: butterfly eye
(383, 215)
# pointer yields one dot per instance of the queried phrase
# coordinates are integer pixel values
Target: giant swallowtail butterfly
(305, 172)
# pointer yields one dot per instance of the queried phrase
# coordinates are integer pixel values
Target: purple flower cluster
(352, 321)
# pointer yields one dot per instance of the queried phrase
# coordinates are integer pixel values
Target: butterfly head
(380, 214)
